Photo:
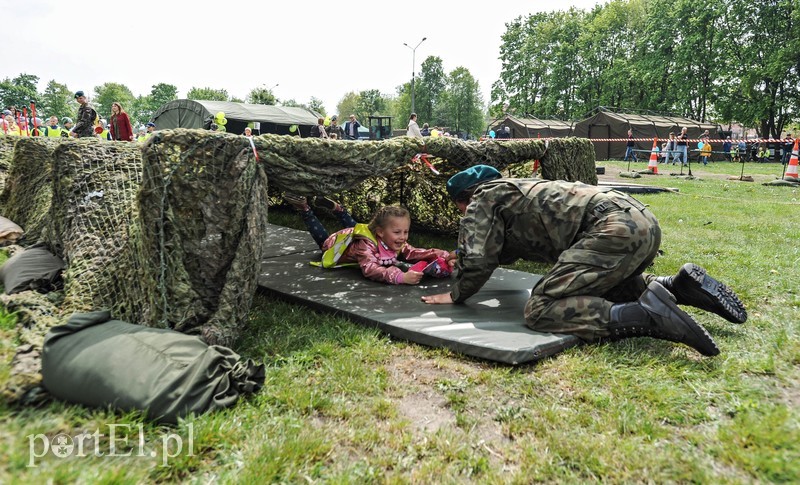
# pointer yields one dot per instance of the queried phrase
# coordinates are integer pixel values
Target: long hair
(118, 106)
(382, 216)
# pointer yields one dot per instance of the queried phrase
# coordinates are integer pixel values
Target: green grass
(346, 404)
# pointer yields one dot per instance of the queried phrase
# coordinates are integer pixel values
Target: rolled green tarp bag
(100, 362)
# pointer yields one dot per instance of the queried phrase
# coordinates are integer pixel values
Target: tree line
(449, 100)
(709, 60)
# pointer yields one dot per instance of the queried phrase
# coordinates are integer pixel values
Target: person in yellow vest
(705, 152)
(10, 127)
(67, 124)
(101, 130)
(379, 248)
(52, 129)
(151, 127)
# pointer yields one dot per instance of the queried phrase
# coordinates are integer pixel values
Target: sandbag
(9, 231)
(35, 268)
(100, 362)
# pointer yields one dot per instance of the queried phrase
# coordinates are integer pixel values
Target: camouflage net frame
(170, 234)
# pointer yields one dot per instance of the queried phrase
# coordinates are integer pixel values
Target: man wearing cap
(334, 128)
(599, 241)
(151, 127)
(84, 127)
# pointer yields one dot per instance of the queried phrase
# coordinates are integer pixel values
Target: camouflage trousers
(604, 266)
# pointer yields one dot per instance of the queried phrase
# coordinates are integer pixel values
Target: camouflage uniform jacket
(511, 219)
(336, 129)
(84, 126)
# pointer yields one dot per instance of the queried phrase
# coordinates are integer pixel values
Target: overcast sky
(307, 47)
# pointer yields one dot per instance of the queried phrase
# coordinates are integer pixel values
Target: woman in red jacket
(120, 124)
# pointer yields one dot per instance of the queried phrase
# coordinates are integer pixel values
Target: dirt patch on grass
(426, 411)
(423, 386)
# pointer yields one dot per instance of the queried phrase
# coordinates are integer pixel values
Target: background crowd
(87, 123)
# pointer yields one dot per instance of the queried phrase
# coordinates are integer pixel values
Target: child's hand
(412, 277)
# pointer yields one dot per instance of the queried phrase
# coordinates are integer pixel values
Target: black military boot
(694, 287)
(656, 315)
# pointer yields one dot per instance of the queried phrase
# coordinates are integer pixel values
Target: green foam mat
(490, 325)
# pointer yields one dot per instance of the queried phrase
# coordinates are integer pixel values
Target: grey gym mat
(490, 325)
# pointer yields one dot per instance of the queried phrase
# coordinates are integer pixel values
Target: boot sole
(725, 303)
(325, 203)
(704, 343)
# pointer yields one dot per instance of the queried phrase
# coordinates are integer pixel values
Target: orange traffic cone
(791, 170)
(653, 164)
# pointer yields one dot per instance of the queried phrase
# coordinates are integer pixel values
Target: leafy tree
(145, 107)
(262, 95)
(762, 40)
(57, 100)
(161, 94)
(207, 94)
(108, 93)
(348, 105)
(19, 91)
(371, 102)
(400, 107)
(430, 85)
(461, 104)
(315, 104)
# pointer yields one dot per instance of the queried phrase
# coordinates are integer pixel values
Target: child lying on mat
(378, 247)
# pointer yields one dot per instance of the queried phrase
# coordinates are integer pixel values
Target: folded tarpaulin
(96, 361)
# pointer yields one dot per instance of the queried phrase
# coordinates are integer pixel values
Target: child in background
(377, 248)
(705, 152)
(763, 154)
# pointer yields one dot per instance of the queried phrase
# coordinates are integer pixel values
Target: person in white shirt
(413, 127)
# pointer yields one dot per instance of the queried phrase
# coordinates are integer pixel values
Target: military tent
(532, 127)
(608, 123)
(189, 113)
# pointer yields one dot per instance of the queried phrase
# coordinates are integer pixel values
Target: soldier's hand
(440, 299)
(412, 277)
(451, 259)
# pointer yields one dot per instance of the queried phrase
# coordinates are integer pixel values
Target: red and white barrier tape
(650, 140)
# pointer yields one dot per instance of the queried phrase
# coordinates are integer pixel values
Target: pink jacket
(377, 262)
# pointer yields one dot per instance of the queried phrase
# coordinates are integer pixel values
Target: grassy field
(346, 404)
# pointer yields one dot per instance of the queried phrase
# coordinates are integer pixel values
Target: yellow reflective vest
(331, 257)
(53, 131)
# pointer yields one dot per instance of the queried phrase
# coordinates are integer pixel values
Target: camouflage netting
(384, 174)
(170, 234)
(6, 153)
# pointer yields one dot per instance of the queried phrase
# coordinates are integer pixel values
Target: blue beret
(151, 124)
(470, 177)
(79, 94)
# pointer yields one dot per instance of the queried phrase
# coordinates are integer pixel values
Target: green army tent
(532, 127)
(189, 113)
(608, 123)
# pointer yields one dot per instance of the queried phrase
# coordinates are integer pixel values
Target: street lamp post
(413, 69)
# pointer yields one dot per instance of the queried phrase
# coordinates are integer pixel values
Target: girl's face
(395, 232)
(114, 108)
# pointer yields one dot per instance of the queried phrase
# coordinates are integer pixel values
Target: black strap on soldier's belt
(613, 201)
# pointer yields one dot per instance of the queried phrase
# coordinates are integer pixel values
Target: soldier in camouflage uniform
(84, 127)
(599, 240)
(334, 128)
